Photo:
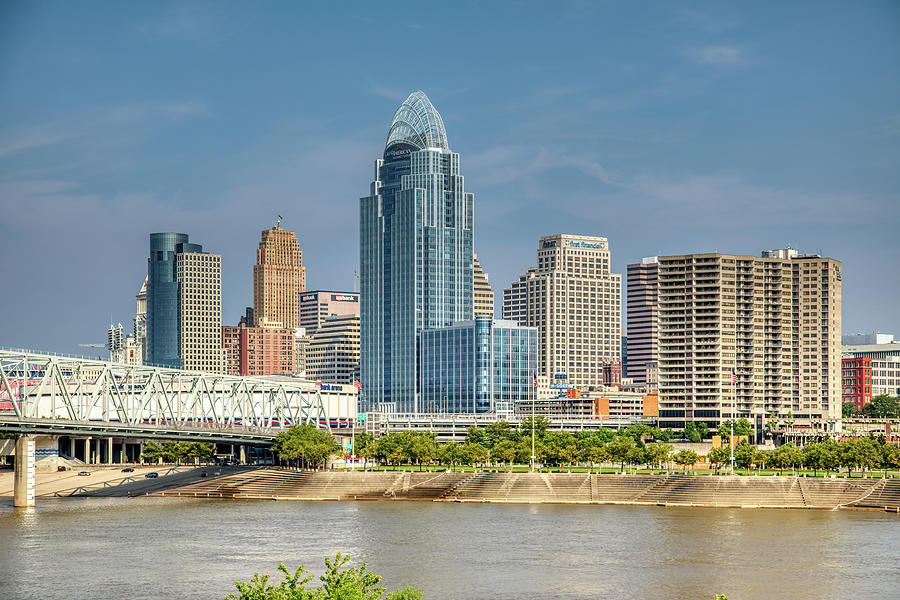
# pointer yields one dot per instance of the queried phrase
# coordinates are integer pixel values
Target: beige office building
(200, 311)
(576, 303)
(333, 352)
(279, 278)
(318, 305)
(483, 294)
(775, 321)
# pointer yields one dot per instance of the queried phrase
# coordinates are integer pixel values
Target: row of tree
(881, 407)
(865, 454)
(501, 445)
(178, 452)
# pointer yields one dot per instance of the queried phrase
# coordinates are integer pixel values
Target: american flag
(734, 377)
(535, 378)
(358, 385)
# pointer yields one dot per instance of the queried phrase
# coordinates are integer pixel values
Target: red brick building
(856, 375)
(255, 351)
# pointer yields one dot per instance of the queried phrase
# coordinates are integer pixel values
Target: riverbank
(558, 488)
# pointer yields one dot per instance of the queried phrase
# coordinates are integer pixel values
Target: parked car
(152, 475)
(61, 468)
(84, 473)
(204, 474)
(128, 470)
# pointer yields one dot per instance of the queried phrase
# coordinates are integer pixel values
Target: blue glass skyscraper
(416, 266)
(163, 298)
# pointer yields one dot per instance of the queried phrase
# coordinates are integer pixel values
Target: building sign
(398, 151)
(344, 298)
(599, 245)
(330, 387)
(562, 386)
(307, 298)
(548, 244)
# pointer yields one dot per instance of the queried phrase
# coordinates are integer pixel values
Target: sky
(666, 127)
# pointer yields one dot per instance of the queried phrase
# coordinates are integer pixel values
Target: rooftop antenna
(278, 223)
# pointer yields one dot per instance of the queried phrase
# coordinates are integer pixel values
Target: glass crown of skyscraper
(417, 123)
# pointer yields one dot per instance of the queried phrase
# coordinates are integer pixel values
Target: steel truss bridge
(43, 393)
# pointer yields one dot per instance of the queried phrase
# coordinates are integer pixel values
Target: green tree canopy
(306, 444)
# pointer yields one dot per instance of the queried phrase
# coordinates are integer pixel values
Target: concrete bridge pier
(23, 486)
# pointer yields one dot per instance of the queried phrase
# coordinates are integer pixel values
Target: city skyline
(665, 149)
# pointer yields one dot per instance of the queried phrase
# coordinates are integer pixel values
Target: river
(179, 548)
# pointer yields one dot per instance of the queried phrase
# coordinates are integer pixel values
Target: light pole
(734, 379)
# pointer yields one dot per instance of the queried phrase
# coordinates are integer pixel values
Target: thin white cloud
(97, 123)
(717, 55)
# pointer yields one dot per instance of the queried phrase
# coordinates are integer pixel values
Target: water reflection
(155, 547)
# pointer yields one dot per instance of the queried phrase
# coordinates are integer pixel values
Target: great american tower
(416, 257)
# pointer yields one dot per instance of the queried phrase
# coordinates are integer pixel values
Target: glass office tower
(416, 266)
(478, 366)
(163, 347)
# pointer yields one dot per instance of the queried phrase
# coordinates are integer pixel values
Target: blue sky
(667, 127)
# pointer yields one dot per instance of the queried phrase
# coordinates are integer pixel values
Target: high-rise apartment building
(279, 278)
(333, 351)
(416, 259)
(318, 305)
(774, 322)
(483, 294)
(641, 318)
(576, 303)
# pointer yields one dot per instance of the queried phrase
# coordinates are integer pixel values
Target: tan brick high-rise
(483, 294)
(576, 304)
(775, 321)
(200, 311)
(279, 278)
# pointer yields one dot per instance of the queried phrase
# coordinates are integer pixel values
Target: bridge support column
(23, 494)
(87, 451)
(243, 451)
(109, 451)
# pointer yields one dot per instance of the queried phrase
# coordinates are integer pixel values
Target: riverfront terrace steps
(673, 489)
(322, 485)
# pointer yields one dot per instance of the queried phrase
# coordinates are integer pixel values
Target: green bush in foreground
(351, 583)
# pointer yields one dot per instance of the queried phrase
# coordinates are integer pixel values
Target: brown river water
(180, 548)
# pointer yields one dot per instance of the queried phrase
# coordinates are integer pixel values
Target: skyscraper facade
(279, 278)
(478, 366)
(483, 294)
(184, 304)
(162, 299)
(641, 318)
(773, 322)
(575, 302)
(199, 277)
(140, 324)
(318, 305)
(416, 257)
(333, 351)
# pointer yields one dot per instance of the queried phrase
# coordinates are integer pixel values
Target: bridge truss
(43, 386)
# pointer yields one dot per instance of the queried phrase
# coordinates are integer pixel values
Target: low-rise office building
(477, 366)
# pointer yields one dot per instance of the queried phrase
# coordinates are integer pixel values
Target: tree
(451, 454)
(338, 583)
(659, 454)
(847, 409)
(719, 456)
(686, 458)
(741, 427)
(541, 424)
(618, 449)
(496, 432)
(595, 454)
(363, 442)
(474, 454)
(881, 407)
(421, 447)
(504, 452)
(744, 455)
(692, 432)
(560, 448)
(305, 444)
